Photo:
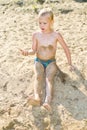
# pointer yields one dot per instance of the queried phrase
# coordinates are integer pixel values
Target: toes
(32, 101)
(47, 106)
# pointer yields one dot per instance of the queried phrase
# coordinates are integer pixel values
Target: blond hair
(46, 11)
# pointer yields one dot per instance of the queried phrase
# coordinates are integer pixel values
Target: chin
(43, 31)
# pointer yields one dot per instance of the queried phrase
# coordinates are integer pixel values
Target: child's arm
(26, 53)
(66, 49)
(31, 51)
(34, 45)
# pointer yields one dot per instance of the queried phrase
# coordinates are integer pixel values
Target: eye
(45, 23)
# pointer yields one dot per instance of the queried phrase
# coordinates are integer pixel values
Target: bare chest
(46, 41)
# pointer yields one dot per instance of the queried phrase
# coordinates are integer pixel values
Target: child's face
(45, 24)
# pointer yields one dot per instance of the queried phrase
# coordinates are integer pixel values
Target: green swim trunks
(45, 63)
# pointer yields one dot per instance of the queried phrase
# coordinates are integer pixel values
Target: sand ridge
(69, 106)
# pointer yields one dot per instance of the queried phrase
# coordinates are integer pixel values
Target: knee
(49, 78)
(38, 77)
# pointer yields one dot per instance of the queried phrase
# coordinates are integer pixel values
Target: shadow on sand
(81, 1)
(69, 100)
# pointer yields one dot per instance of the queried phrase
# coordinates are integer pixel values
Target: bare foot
(47, 106)
(32, 101)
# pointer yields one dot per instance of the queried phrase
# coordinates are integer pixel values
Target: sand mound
(69, 106)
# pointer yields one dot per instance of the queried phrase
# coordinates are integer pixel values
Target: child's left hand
(71, 68)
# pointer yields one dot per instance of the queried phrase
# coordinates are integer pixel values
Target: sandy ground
(69, 106)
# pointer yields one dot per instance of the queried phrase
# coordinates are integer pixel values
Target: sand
(69, 105)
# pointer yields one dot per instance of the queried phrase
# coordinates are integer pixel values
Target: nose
(41, 25)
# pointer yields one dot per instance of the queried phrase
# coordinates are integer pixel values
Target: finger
(20, 50)
(72, 69)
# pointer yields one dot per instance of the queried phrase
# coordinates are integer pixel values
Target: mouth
(42, 29)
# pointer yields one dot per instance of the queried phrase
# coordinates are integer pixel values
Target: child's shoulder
(56, 33)
(35, 34)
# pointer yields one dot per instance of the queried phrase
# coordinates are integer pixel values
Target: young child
(44, 46)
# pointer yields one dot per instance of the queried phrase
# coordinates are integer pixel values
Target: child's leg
(50, 73)
(39, 74)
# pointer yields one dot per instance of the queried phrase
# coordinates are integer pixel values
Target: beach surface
(69, 105)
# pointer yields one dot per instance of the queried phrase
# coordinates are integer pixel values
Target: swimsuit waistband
(38, 59)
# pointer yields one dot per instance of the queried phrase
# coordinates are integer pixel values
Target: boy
(44, 46)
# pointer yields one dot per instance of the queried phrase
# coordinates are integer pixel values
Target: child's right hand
(71, 68)
(23, 52)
